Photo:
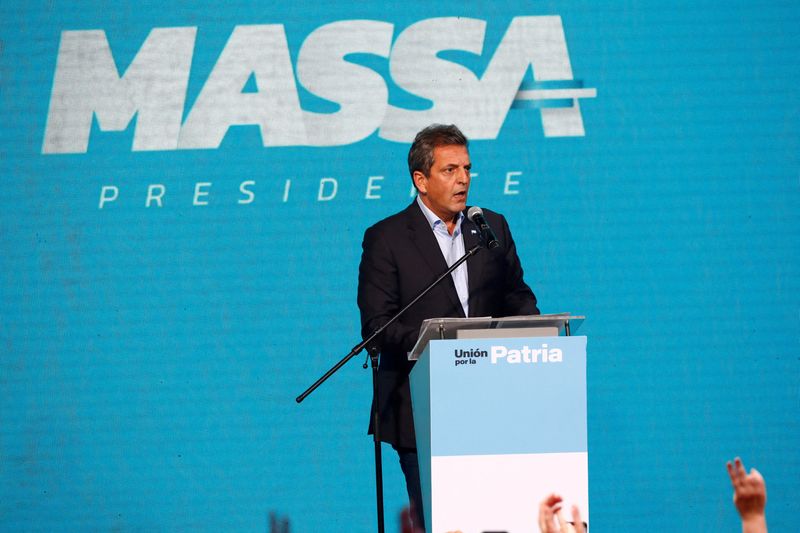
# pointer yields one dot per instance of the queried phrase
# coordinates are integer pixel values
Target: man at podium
(405, 252)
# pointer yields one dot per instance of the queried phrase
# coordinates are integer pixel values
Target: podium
(500, 418)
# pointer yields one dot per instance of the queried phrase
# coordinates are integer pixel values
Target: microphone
(475, 215)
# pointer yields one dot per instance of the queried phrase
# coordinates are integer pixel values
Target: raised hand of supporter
(551, 519)
(749, 496)
(407, 523)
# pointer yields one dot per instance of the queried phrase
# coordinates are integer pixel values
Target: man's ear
(421, 181)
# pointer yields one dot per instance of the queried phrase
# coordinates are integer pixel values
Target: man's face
(445, 189)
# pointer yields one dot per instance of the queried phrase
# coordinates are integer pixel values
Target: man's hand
(551, 520)
(749, 496)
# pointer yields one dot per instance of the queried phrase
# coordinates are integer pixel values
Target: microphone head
(474, 210)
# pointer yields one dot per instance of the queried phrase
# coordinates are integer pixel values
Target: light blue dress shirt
(452, 247)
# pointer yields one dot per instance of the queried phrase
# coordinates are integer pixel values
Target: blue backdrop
(183, 192)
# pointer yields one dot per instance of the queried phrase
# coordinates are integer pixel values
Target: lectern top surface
(448, 328)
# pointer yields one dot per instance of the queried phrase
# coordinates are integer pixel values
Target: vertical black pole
(376, 435)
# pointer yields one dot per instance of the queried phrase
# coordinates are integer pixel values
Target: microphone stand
(373, 348)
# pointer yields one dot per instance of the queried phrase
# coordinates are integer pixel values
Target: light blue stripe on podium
(483, 408)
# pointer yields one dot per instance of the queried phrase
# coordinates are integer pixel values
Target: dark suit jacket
(400, 258)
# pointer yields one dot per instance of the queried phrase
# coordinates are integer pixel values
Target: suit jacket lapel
(474, 264)
(423, 238)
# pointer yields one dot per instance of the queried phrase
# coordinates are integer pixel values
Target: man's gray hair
(420, 156)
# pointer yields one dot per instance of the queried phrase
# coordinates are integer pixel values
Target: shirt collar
(434, 220)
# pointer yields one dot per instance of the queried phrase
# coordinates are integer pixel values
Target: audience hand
(749, 496)
(551, 520)
(407, 522)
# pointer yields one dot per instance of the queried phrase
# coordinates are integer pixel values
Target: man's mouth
(460, 195)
